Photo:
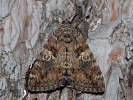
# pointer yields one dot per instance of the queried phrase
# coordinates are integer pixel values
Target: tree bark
(25, 26)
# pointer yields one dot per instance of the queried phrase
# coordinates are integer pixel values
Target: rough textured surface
(25, 26)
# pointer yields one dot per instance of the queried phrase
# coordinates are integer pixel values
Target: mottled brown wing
(65, 60)
(87, 77)
(45, 74)
(40, 81)
(87, 80)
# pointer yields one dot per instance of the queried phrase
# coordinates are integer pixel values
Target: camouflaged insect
(65, 60)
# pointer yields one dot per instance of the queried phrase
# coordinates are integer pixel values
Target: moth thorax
(66, 35)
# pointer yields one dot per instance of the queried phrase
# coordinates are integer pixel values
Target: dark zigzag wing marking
(87, 81)
(87, 77)
(41, 82)
(44, 74)
(48, 70)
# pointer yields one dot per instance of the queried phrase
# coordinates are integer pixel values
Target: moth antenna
(58, 20)
(72, 14)
(77, 23)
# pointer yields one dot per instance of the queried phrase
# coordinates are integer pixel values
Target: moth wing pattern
(87, 81)
(65, 59)
(44, 74)
(87, 77)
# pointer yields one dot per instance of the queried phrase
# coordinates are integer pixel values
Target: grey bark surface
(25, 26)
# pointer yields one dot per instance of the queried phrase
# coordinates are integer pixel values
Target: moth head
(65, 23)
(66, 31)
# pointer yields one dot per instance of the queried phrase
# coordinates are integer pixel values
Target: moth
(65, 60)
